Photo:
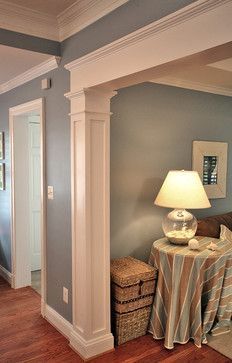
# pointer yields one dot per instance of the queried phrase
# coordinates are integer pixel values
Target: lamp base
(179, 226)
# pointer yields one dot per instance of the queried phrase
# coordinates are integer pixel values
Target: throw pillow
(226, 233)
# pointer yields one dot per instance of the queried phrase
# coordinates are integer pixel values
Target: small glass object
(179, 226)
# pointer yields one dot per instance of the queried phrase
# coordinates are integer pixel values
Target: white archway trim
(199, 86)
(188, 31)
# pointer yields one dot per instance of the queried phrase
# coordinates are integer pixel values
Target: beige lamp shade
(182, 189)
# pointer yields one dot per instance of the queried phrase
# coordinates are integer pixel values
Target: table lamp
(181, 189)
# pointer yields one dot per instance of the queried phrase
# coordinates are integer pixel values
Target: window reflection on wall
(210, 170)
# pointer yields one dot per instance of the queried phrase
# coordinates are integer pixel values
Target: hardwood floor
(26, 337)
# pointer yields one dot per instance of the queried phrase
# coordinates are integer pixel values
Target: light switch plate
(50, 192)
(65, 295)
(46, 83)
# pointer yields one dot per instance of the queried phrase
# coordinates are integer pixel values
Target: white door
(35, 195)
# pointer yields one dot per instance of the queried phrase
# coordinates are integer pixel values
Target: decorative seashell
(213, 246)
(193, 244)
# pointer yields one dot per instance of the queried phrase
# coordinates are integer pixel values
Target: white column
(90, 138)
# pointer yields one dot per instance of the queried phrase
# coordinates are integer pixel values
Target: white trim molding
(197, 86)
(70, 21)
(173, 20)
(6, 275)
(56, 320)
(90, 348)
(43, 68)
(81, 346)
(28, 21)
(140, 53)
(18, 273)
(90, 135)
(83, 13)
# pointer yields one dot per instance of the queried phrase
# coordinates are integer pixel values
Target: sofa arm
(210, 226)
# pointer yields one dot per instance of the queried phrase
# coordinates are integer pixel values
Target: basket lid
(127, 271)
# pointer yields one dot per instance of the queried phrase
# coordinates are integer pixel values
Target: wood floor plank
(26, 337)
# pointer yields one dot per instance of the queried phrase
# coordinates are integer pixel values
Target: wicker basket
(132, 305)
(130, 325)
(134, 291)
(132, 287)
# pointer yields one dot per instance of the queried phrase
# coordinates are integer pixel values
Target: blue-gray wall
(57, 174)
(152, 130)
(122, 21)
(29, 42)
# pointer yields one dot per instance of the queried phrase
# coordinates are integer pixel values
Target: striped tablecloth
(193, 293)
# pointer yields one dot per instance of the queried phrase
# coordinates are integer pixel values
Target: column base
(88, 349)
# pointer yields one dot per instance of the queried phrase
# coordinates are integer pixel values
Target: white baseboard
(6, 275)
(86, 349)
(93, 347)
(55, 319)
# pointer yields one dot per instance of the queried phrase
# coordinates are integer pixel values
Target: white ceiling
(212, 77)
(15, 61)
(51, 7)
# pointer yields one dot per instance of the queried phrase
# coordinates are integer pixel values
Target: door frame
(19, 110)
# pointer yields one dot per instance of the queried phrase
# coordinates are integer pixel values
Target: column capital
(90, 100)
(93, 91)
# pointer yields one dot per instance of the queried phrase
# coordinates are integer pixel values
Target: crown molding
(83, 13)
(173, 20)
(34, 72)
(76, 17)
(196, 86)
(23, 20)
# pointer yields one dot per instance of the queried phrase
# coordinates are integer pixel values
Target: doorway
(27, 196)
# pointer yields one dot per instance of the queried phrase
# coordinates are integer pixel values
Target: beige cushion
(225, 233)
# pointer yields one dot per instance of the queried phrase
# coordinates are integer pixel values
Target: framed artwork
(2, 176)
(210, 161)
(2, 145)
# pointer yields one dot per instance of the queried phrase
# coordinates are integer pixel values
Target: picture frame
(210, 161)
(2, 176)
(2, 145)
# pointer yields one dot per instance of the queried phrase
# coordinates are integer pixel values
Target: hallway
(26, 337)
(36, 281)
